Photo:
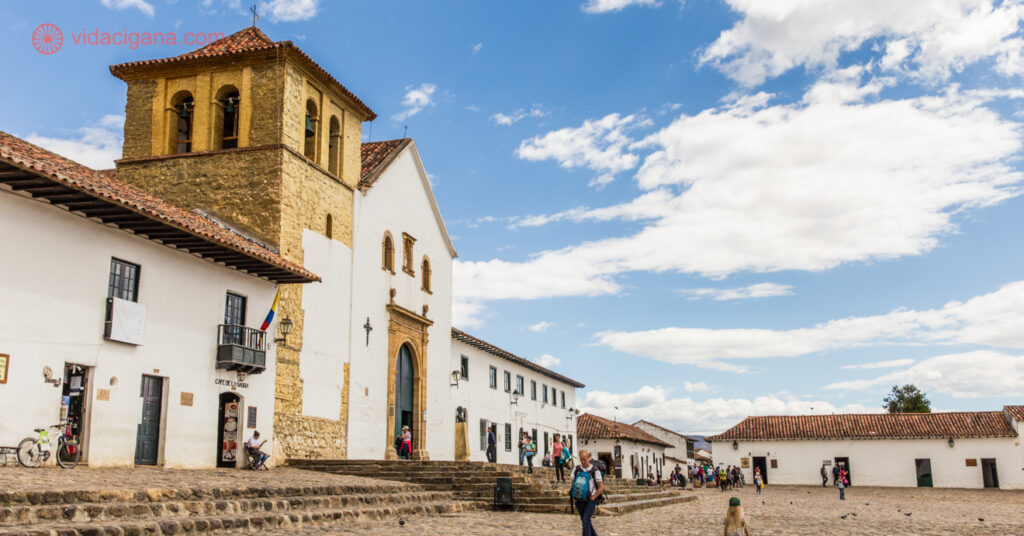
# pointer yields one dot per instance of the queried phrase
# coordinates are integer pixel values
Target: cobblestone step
(252, 522)
(119, 511)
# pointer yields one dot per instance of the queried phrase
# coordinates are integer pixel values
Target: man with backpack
(587, 485)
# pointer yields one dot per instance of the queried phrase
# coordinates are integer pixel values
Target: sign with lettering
(972, 462)
(186, 398)
(252, 417)
(231, 383)
(103, 394)
(745, 463)
(5, 361)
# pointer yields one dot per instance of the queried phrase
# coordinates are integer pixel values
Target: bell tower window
(312, 131)
(227, 120)
(183, 108)
(334, 147)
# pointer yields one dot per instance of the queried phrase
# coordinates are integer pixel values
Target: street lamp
(455, 378)
(515, 398)
(286, 327)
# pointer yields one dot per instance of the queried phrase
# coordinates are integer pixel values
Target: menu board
(5, 360)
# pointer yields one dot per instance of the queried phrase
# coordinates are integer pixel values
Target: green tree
(907, 399)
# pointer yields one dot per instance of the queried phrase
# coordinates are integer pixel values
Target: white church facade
(948, 449)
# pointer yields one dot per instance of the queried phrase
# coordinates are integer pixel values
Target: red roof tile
(871, 426)
(247, 41)
(1017, 412)
(462, 336)
(102, 185)
(590, 426)
(375, 153)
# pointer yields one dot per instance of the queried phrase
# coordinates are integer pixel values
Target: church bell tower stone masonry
(255, 134)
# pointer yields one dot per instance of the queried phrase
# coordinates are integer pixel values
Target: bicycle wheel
(68, 455)
(28, 454)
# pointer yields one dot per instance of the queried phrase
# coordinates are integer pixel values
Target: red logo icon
(47, 38)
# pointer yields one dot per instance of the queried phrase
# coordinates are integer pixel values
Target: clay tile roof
(35, 170)
(462, 336)
(662, 428)
(871, 426)
(246, 41)
(589, 426)
(1017, 412)
(375, 156)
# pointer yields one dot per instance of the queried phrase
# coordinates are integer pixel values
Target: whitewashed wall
(647, 455)
(494, 405)
(677, 452)
(882, 462)
(53, 287)
(398, 202)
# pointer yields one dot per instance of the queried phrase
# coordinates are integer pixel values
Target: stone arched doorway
(404, 373)
(407, 384)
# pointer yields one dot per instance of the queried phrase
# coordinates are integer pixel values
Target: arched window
(334, 146)
(389, 253)
(226, 123)
(329, 227)
(425, 274)
(312, 131)
(183, 109)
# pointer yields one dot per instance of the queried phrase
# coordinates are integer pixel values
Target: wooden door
(147, 443)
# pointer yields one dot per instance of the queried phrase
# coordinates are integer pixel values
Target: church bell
(309, 127)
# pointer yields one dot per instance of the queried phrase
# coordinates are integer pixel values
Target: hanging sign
(5, 361)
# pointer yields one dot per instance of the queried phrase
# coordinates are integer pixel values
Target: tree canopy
(906, 399)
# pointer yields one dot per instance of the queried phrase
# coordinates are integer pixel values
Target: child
(735, 525)
(842, 485)
(757, 481)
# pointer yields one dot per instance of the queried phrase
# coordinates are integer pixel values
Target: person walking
(735, 524)
(556, 458)
(492, 445)
(835, 475)
(721, 478)
(522, 448)
(842, 485)
(757, 481)
(824, 476)
(531, 449)
(587, 485)
(406, 451)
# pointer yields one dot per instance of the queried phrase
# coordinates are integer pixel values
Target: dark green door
(924, 472)
(403, 391)
(147, 444)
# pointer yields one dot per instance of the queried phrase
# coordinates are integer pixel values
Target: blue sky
(702, 210)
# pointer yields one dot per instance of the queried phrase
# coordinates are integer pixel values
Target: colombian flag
(270, 314)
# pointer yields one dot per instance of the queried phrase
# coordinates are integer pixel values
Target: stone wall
(138, 114)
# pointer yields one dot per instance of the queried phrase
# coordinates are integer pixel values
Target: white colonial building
(130, 319)
(950, 450)
(490, 386)
(680, 453)
(401, 310)
(623, 447)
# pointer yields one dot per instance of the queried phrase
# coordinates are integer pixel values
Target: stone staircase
(475, 482)
(205, 511)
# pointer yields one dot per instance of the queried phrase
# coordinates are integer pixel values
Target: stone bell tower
(253, 132)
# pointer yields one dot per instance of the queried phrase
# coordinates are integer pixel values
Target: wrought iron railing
(241, 348)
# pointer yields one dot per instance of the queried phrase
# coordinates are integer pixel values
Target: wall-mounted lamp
(951, 442)
(286, 327)
(455, 378)
(735, 445)
(515, 398)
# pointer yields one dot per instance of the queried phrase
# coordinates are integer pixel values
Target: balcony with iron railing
(241, 349)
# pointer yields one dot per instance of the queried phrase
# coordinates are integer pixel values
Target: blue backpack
(581, 485)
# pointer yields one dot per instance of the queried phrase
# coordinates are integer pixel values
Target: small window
(234, 319)
(520, 385)
(183, 108)
(508, 382)
(544, 389)
(311, 132)
(388, 262)
(533, 390)
(334, 146)
(554, 396)
(227, 111)
(329, 227)
(563, 399)
(407, 244)
(464, 368)
(508, 437)
(124, 280)
(493, 377)
(425, 274)
(483, 434)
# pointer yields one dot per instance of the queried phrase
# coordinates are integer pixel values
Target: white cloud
(598, 144)
(880, 364)
(713, 415)
(416, 99)
(145, 7)
(473, 108)
(96, 146)
(696, 387)
(289, 10)
(467, 314)
(518, 115)
(757, 188)
(541, 327)
(548, 361)
(995, 319)
(759, 290)
(978, 374)
(477, 48)
(928, 39)
(606, 6)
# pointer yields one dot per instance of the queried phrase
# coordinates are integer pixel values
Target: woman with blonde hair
(735, 525)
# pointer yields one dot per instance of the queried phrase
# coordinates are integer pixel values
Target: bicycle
(33, 451)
